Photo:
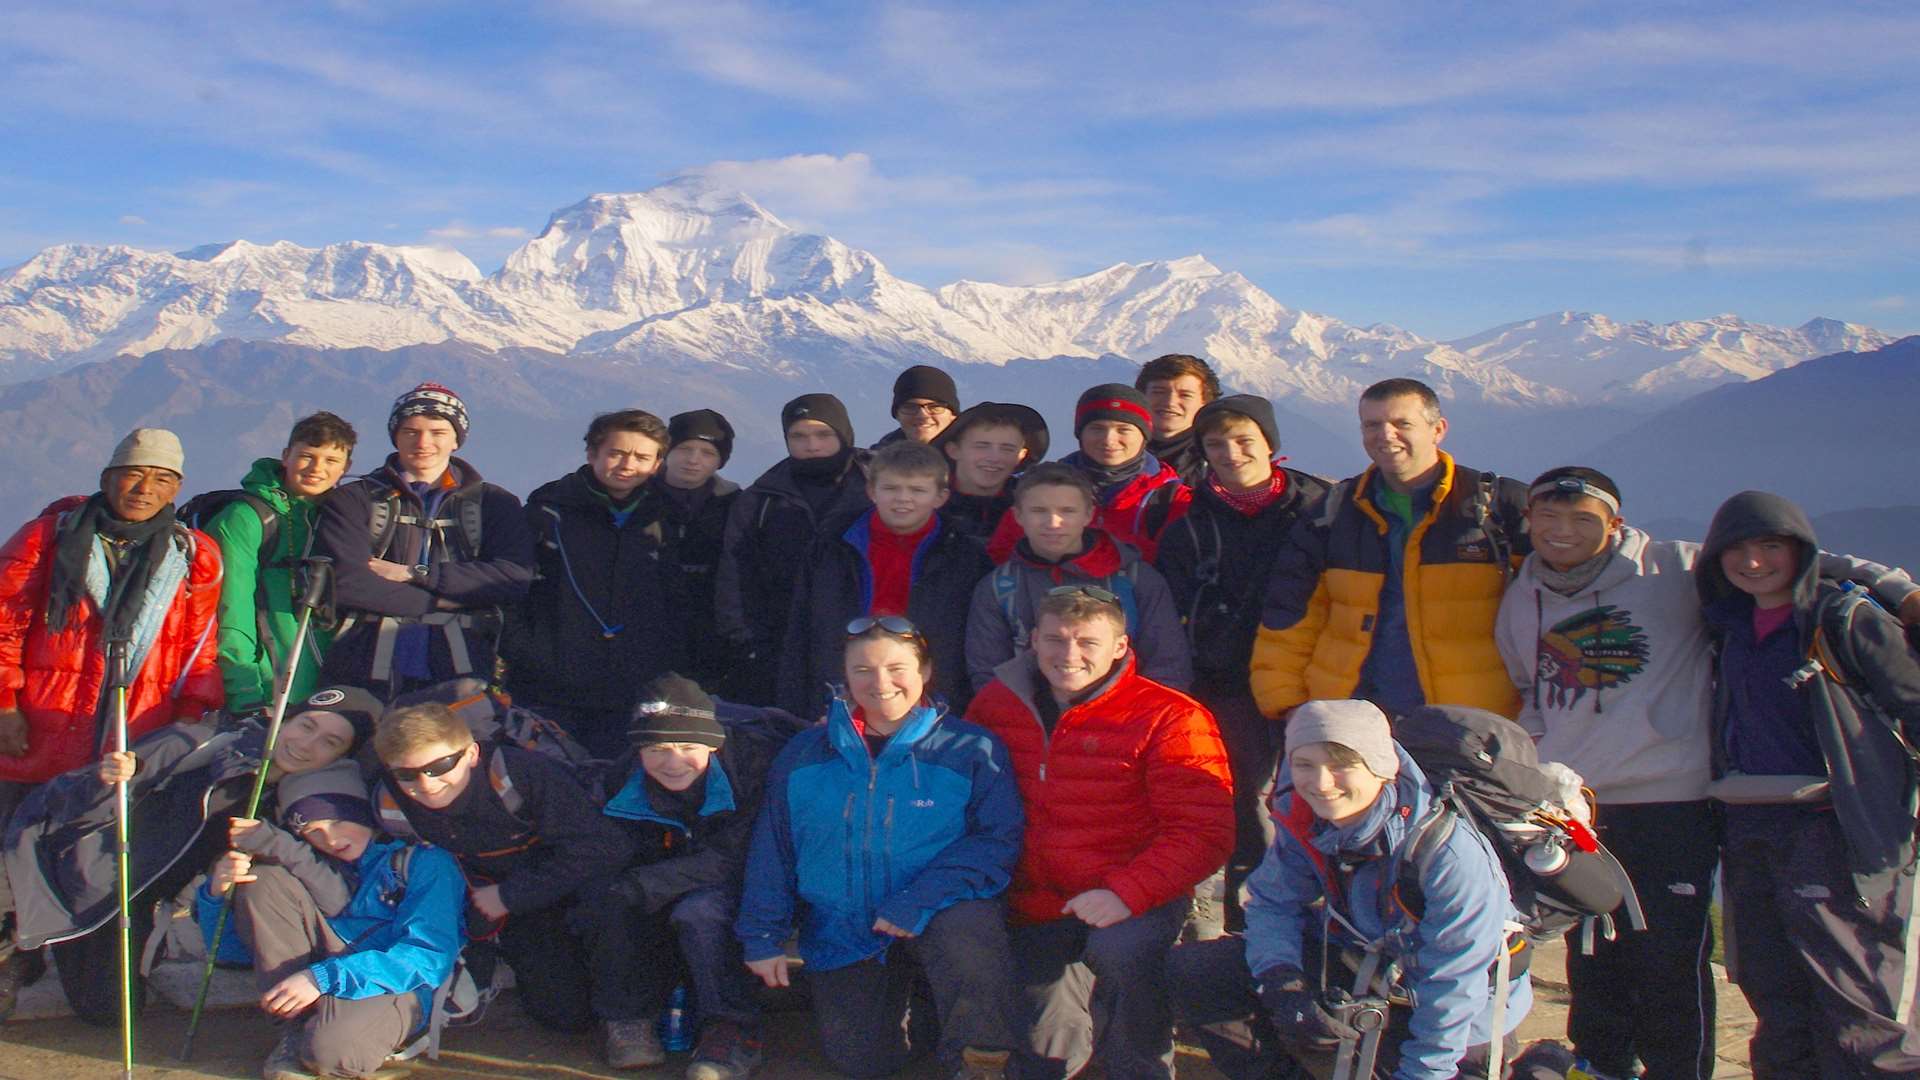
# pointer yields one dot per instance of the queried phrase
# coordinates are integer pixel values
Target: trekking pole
(313, 597)
(122, 827)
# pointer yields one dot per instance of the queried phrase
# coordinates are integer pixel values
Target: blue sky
(1442, 166)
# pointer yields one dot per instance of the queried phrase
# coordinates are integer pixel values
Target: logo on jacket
(1598, 649)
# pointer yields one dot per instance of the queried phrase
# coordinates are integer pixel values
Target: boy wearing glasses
(896, 558)
(1129, 806)
(925, 401)
(524, 831)
(1054, 505)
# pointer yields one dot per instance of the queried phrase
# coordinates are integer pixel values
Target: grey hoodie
(1616, 681)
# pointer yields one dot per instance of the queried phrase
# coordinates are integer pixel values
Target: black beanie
(927, 383)
(702, 424)
(1257, 409)
(673, 709)
(361, 709)
(1113, 401)
(822, 407)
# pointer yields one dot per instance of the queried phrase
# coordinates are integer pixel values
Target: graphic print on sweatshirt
(1596, 649)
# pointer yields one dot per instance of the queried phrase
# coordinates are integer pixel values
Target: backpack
(1831, 654)
(1482, 508)
(1485, 771)
(460, 1001)
(199, 512)
(385, 513)
(1006, 590)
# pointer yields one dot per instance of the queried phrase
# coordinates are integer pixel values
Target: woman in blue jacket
(1348, 799)
(386, 920)
(888, 834)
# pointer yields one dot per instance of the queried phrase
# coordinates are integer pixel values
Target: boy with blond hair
(525, 832)
(895, 558)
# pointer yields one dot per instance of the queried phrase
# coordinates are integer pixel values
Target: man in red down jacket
(88, 570)
(1129, 806)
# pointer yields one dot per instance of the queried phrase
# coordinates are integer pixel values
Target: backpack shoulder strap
(401, 860)
(472, 516)
(503, 787)
(1832, 653)
(393, 820)
(1123, 585)
(381, 513)
(1006, 589)
(1336, 501)
(1483, 508)
(1414, 861)
(269, 523)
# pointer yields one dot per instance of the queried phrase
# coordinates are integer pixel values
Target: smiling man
(262, 534)
(1178, 386)
(425, 554)
(989, 445)
(1389, 593)
(1129, 806)
(588, 634)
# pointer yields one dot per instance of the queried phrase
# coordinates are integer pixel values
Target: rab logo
(1472, 551)
(924, 804)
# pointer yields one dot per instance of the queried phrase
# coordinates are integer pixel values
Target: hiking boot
(982, 1064)
(726, 1052)
(284, 1062)
(632, 1044)
(20, 971)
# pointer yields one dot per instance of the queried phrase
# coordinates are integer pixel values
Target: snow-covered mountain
(688, 274)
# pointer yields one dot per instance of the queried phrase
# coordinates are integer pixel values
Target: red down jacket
(56, 678)
(1131, 793)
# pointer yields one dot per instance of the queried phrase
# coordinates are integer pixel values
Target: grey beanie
(1359, 726)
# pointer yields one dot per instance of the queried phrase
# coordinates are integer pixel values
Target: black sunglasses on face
(436, 768)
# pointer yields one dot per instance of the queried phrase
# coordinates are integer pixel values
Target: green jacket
(256, 597)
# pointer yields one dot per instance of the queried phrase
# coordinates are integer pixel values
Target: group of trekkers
(1019, 762)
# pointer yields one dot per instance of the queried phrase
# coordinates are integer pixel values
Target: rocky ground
(44, 1042)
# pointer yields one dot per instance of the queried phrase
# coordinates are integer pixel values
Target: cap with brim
(1033, 427)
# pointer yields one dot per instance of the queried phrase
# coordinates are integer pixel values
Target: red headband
(1113, 405)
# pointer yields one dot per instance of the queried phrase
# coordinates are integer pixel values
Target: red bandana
(1252, 502)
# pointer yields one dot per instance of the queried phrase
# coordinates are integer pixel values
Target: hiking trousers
(1253, 749)
(1648, 994)
(874, 1016)
(1099, 992)
(637, 955)
(1829, 972)
(286, 932)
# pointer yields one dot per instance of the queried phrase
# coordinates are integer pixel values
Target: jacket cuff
(756, 949)
(1130, 894)
(904, 914)
(322, 974)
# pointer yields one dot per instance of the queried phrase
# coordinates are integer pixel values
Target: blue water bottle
(676, 1024)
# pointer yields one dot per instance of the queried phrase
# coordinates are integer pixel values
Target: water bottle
(676, 1024)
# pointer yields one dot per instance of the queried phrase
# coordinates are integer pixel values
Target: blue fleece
(844, 838)
(1769, 725)
(401, 940)
(1447, 952)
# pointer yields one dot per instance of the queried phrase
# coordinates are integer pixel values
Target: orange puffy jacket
(1130, 793)
(56, 678)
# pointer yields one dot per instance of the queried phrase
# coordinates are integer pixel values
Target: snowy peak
(691, 272)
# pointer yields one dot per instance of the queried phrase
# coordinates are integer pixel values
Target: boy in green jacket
(262, 536)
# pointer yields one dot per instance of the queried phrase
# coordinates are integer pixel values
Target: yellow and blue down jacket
(1323, 601)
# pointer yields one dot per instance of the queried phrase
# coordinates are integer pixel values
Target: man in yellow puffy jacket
(1390, 593)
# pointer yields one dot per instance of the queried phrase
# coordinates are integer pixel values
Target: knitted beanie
(675, 710)
(822, 407)
(430, 399)
(702, 424)
(927, 384)
(337, 792)
(1359, 726)
(1113, 401)
(1257, 409)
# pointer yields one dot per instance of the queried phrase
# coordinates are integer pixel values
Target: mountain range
(686, 296)
(690, 273)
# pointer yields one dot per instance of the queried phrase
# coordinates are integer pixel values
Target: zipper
(846, 825)
(866, 845)
(886, 849)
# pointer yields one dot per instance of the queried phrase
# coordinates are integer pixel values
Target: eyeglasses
(928, 407)
(892, 624)
(436, 768)
(1092, 591)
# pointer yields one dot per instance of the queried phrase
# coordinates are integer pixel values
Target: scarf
(1107, 477)
(145, 547)
(1575, 581)
(1250, 503)
(1173, 448)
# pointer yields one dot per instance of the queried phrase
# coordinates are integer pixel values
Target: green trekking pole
(314, 596)
(122, 826)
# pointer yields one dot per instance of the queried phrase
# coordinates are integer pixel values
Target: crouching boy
(688, 806)
(352, 934)
(527, 836)
(1346, 802)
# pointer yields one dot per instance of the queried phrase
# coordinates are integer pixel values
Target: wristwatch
(419, 571)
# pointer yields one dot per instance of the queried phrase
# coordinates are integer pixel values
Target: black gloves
(1297, 1011)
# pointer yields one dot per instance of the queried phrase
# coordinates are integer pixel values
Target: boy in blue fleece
(1346, 800)
(350, 930)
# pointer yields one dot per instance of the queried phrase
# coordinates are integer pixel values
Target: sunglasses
(436, 768)
(892, 624)
(1095, 592)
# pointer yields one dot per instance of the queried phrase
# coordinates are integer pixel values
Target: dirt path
(234, 1041)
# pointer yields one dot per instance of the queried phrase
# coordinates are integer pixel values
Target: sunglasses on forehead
(897, 625)
(1093, 592)
(436, 768)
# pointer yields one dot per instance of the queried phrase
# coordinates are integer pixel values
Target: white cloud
(457, 230)
(132, 219)
(1890, 303)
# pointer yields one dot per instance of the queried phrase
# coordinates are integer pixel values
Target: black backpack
(199, 511)
(1484, 770)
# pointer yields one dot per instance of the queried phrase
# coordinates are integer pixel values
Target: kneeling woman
(889, 834)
